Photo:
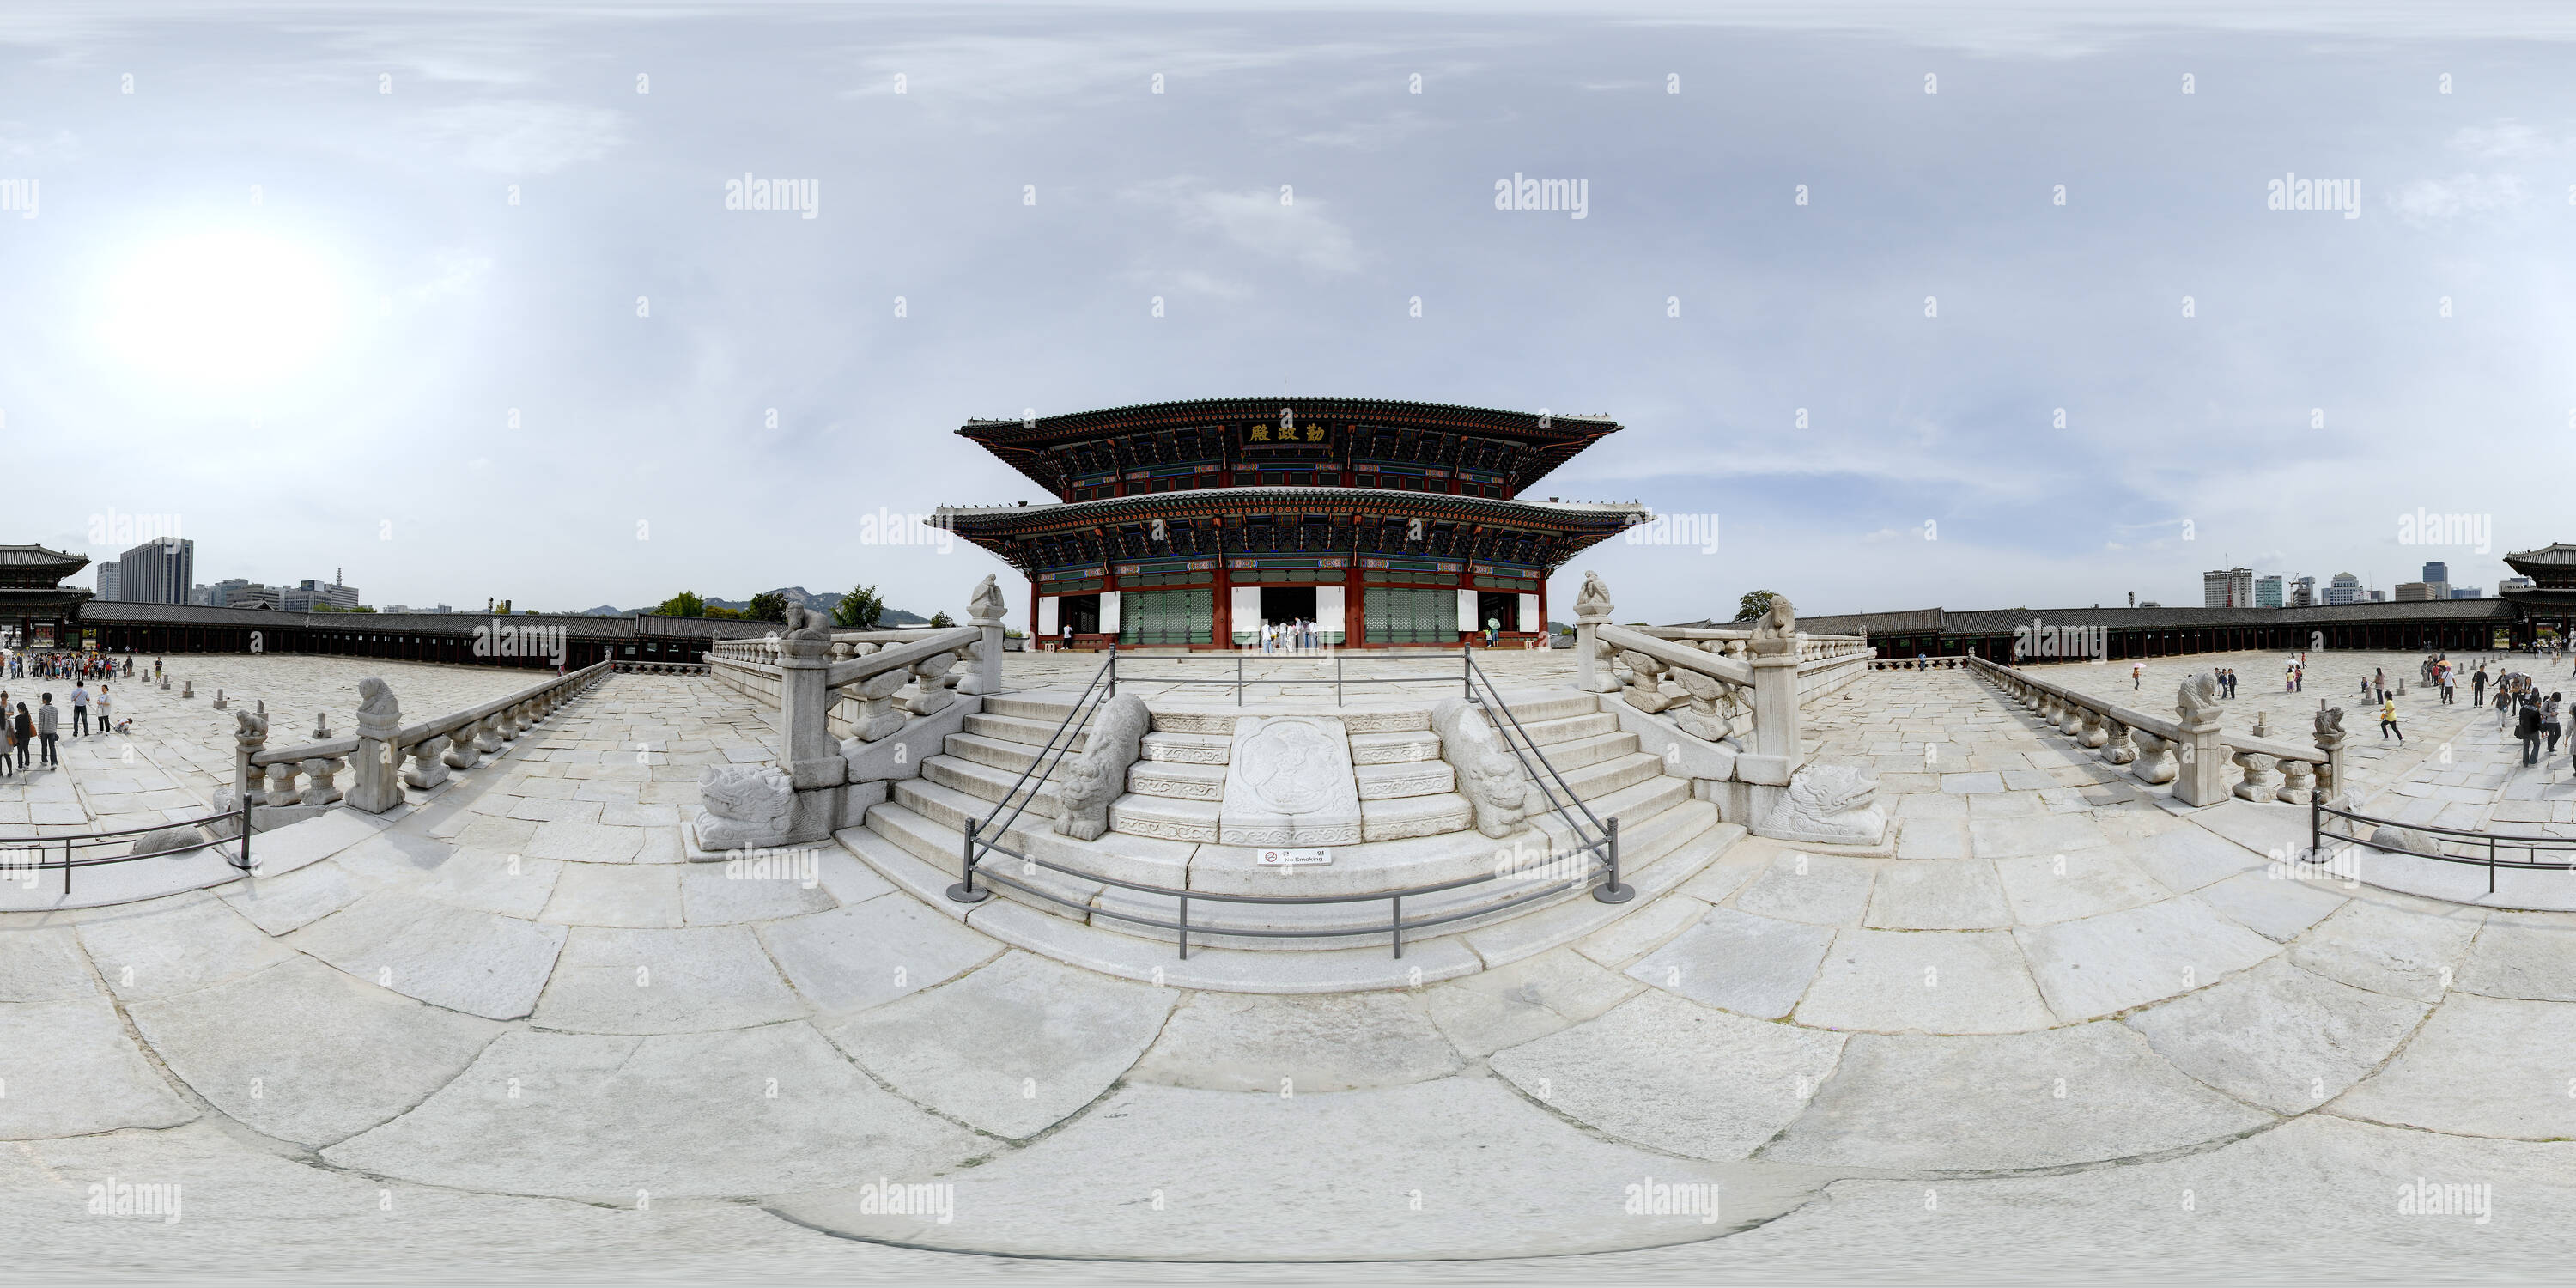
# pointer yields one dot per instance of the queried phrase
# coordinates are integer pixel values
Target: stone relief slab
(1289, 782)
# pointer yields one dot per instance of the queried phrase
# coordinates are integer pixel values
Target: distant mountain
(823, 604)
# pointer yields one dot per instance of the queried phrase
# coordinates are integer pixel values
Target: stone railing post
(2203, 778)
(250, 737)
(463, 751)
(1592, 608)
(2331, 780)
(487, 735)
(984, 612)
(816, 769)
(1775, 713)
(2119, 750)
(375, 787)
(281, 784)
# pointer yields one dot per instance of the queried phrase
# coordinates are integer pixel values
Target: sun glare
(230, 308)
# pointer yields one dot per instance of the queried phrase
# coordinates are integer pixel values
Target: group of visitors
(2534, 717)
(1294, 635)
(71, 666)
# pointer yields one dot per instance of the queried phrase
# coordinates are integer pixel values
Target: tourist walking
(2527, 728)
(80, 709)
(2549, 723)
(2388, 720)
(2478, 687)
(2137, 675)
(2450, 688)
(8, 738)
(48, 717)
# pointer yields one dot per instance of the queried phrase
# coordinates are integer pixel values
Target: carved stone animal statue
(1593, 601)
(1776, 631)
(1829, 804)
(2329, 723)
(743, 806)
(2197, 699)
(1489, 776)
(986, 604)
(1087, 783)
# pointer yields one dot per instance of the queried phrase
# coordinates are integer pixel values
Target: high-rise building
(2267, 591)
(220, 594)
(2466, 592)
(2514, 583)
(158, 571)
(2437, 571)
(201, 595)
(251, 594)
(305, 595)
(2379, 597)
(2227, 588)
(108, 572)
(2412, 590)
(2303, 592)
(2344, 589)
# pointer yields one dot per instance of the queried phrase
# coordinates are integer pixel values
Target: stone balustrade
(2189, 751)
(310, 775)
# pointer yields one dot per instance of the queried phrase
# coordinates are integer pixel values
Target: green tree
(858, 610)
(1754, 604)
(767, 606)
(684, 604)
(723, 613)
(941, 618)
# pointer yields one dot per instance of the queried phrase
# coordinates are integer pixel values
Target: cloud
(2506, 138)
(1259, 221)
(2429, 201)
(523, 137)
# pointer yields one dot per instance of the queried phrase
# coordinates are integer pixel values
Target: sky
(1979, 306)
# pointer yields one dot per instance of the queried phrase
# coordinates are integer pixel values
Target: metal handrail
(1105, 681)
(2531, 845)
(1602, 842)
(241, 814)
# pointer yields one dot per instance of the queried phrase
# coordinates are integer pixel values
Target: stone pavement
(2075, 1027)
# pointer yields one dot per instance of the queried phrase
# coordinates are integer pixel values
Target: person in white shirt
(80, 709)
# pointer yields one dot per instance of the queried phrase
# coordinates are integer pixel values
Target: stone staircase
(1416, 831)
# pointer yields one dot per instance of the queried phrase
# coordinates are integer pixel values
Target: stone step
(1591, 782)
(989, 784)
(919, 854)
(1409, 745)
(1403, 817)
(1141, 859)
(1588, 750)
(997, 752)
(1164, 818)
(1049, 707)
(1460, 910)
(1189, 748)
(1179, 780)
(1020, 729)
(1182, 781)
(1548, 733)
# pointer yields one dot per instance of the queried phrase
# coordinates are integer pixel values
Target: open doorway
(1082, 612)
(1501, 607)
(1289, 604)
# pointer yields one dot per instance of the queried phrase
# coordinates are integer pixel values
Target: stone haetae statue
(1489, 776)
(1828, 804)
(1086, 784)
(1776, 631)
(1593, 601)
(2197, 699)
(2329, 724)
(986, 604)
(379, 713)
(742, 806)
(803, 623)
